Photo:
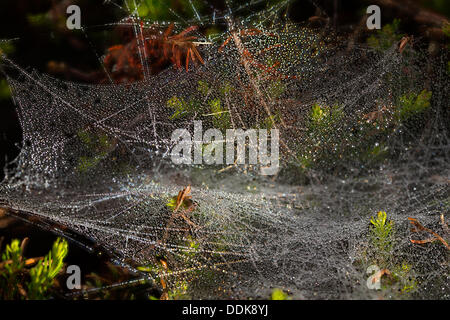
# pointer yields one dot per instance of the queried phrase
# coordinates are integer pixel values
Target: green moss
(322, 117)
(87, 163)
(399, 278)
(226, 88)
(96, 143)
(271, 121)
(446, 29)
(171, 204)
(221, 117)
(377, 153)
(382, 234)
(19, 282)
(178, 104)
(13, 252)
(97, 148)
(410, 105)
(179, 291)
(403, 274)
(331, 144)
(104, 141)
(386, 37)
(151, 268)
(213, 33)
(152, 9)
(203, 87)
(276, 89)
(85, 137)
(319, 143)
(193, 246)
(216, 106)
(278, 294)
(318, 114)
(182, 107)
(43, 274)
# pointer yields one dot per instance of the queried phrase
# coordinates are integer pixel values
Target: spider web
(96, 159)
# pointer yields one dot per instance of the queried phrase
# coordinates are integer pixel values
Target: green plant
(403, 275)
(18, 281)
(386, 37)
(182, 107)
(278, 294)
(203, 87)
(97, 147)
(276, 89)
(446, 29)
(42, 274)
(153, 9)
(382, 233)
(13, 263)
(377, 153)
(6, 48)
(172, 203)
(221, 117)
(5, 92)
(410, 105)
(178, 290)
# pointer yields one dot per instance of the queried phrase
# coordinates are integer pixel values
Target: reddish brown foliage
(151, 51)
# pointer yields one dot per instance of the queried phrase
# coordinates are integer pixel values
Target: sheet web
(95, 158)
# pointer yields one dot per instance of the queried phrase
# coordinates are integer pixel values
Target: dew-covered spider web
(362, 130)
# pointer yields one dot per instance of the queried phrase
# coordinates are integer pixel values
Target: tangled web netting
(96, 159)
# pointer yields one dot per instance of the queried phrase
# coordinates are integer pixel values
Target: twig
(419, 227)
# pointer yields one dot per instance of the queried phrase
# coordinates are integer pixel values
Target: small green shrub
(318, 146)
(182, 107)
(97, 147)
(203, 87)
(42, 274)
(399, 278)
(413, 104)
(382, 233)
(403, 275)
(386, 37)
(221, 117)
(271, 121)
(13, 265)
(17, 281)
